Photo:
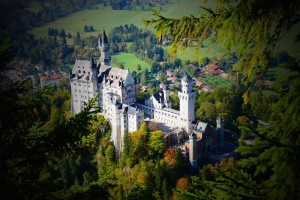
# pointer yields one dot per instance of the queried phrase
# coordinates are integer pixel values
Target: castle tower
(187, 103)
(220, 128)
(104, 48)
(193, 154)
(115, 119)
(166, 95)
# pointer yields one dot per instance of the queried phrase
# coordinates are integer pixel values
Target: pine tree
(252, 30)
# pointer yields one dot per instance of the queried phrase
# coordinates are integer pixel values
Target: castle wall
(83, 84)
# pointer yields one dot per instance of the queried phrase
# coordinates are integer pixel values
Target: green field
(130, 61)
(216, 81)
(101, 17)
(192, 54)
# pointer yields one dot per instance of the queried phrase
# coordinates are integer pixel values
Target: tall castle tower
(193, 156)
(187, 103)
(166, 94)
(104, 48)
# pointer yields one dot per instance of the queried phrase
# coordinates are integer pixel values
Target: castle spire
(104, 37)
(104, 49)
(99, 41)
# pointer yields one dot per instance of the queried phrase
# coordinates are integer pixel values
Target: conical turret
(104, 37)
(104, 48)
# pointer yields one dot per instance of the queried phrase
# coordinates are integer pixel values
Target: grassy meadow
(130, 61)
(192, 53)
(216, 81)
(101, 17)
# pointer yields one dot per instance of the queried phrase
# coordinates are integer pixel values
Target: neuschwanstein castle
(117, 98)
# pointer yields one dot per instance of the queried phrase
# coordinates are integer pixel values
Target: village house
(51, 79)
(173, 79)
(198, 83)
(212, 69)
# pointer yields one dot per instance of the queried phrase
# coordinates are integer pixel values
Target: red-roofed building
(207, 88)
(173, 79)
(51, 79)
(199, 83)
(213, 69)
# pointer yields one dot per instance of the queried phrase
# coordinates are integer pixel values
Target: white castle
(117, 97)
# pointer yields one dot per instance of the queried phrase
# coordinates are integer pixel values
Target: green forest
(48, 153)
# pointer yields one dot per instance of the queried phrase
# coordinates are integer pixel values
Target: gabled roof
(201, 126)
(52, 77)
(212, 66)
(199, 83)
(116, 76)
(130, 110)
(82, 69)
(118, 73)
(173, 78)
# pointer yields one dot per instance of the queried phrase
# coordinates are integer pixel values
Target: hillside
(101, 17)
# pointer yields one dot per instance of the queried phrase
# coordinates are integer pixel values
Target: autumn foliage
(183, 184)
(169, 157)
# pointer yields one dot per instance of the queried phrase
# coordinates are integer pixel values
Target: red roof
(212, 67)
(51, 77)
(214, 72)
(206, 88)
(172, 78)
(199, 83)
